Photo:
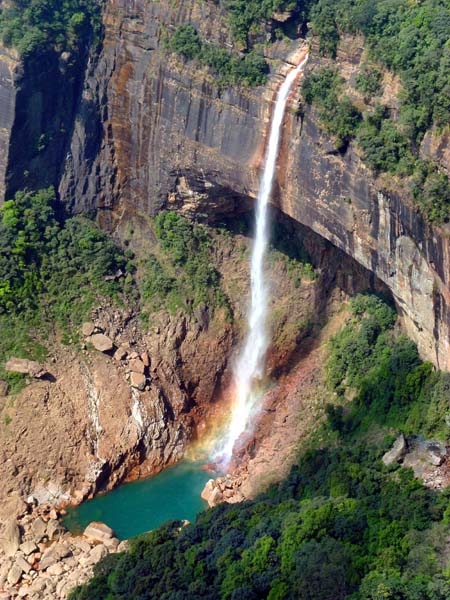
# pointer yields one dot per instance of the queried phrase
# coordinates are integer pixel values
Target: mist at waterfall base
(249, 368)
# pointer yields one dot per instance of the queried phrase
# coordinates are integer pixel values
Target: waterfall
(249, 367)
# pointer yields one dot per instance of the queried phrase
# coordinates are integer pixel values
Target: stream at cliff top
(134, 508)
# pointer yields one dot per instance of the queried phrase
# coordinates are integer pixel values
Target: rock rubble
(40, 560)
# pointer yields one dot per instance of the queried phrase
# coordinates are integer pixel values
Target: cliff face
(150, 131)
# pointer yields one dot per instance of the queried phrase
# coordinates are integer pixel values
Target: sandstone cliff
(148, 131)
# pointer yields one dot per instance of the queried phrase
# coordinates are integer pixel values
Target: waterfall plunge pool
(137, 507)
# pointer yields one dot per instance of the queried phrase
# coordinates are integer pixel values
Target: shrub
(37, 26)
(251, 70)
(368, 81)
(338, 116)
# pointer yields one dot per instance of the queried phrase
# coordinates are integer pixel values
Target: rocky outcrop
(45, 562)
(145, 130)
(172, 138)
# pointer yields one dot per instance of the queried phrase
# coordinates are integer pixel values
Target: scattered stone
(28, 548)
(97, 553)
(137, 380)
(134, 355)
(123, 546)
(39, 529)
(23, 564)
(87, 328)
(98, 532)
(54, 554)
(54, 529)
(145, 358)
(53, 514)
(112, 544)
(101, 342)
(55, 569)
(14, 575)
(4, 388)
(397, 452)
(82, 545)
(26, 367)
(10, 538)
(136, 366)
(120, 353)
(212, 494)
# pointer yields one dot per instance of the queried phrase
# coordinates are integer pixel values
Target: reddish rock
(137, 366)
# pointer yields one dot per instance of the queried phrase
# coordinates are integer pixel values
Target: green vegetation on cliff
(342, 525)
(183, 274)
(51, 272)
(385, 147)
(251, 70)
(338, 115)
(36, 26)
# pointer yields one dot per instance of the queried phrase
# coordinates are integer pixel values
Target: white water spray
(250, 364)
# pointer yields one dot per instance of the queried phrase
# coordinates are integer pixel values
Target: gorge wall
(150, 131)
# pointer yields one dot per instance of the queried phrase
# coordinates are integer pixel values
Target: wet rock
(138, 380)
(10, 538)
(397, 452)
(87, 329)
(101, 342)
(26, 367)
(98, 532)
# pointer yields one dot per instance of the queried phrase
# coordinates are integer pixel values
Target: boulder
(112, 544)
(212, 494)
(137, 366)
(54, 529)
(98, 532)
(145, 359)
(26, 367)
(14, 575)
(87, 328)
(120, 353)
(38, 529)
(138, 381)
(10, 538)
(23, 564)
(28, 548)
(54, 554)
(56, 569)
(397, 452)
(97, 553)
(101, 342)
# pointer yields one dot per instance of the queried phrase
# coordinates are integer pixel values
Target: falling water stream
(175, 493)
(249, 367)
